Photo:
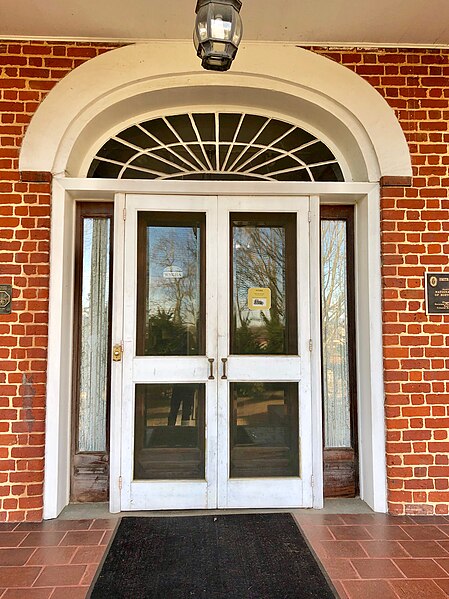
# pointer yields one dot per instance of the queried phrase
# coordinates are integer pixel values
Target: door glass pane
(264, 430)
(334, 301)
(93, 351)
(263, 284)
(169, 431)
(170, 284)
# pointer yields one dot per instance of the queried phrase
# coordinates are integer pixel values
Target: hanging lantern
(217, 34)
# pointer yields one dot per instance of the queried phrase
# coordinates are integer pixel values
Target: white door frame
(365, 196)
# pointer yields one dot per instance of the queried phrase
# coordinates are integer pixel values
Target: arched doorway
(138, 84)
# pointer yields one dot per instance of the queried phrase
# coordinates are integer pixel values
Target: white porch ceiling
(335, 22)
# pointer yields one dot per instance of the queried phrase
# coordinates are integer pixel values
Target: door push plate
(117, 352)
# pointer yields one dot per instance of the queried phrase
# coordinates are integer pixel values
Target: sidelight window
(93, 262)
(338, 350)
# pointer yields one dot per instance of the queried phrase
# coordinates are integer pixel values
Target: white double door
(216, 394)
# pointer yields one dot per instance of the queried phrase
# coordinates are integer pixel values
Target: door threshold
(89, 511)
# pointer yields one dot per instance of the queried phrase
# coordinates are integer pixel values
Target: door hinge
(309, 216)
(310, 345)
(124, 213)
(312, 481)
(120, 483)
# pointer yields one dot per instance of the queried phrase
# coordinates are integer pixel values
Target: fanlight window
(216, 146)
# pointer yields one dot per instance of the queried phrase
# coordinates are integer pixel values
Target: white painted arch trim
(110, 91)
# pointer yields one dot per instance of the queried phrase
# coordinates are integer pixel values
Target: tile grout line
(77, 548)
(32, 553)
(355, 570)
(407, 552)
(393, 590)
(345, 588)
(401, 526)
(62, 538)
(23, 540)
(40, 572)
(100, 542)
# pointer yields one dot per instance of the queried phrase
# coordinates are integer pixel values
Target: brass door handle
(211, 369)
(224, 376)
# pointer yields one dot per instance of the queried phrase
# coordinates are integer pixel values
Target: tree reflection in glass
(259, 261)
(172, 279)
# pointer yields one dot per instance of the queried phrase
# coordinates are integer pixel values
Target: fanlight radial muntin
(216, 146)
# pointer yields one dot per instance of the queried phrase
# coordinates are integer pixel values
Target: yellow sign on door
(259, 298)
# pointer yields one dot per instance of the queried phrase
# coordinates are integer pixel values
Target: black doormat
(251, 556)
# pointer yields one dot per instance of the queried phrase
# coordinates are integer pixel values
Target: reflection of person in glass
(184, 394)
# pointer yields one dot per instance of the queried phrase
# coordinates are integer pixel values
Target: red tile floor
(56, 559)
(367, 556)
(374, 556)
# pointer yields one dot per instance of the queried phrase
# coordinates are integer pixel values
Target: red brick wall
(415, 229)
(27, 72)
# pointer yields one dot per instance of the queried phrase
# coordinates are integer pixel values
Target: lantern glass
(201, 30)
(238, 31)
(221, 21)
